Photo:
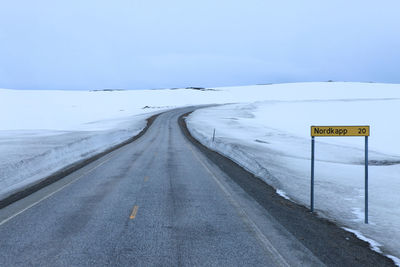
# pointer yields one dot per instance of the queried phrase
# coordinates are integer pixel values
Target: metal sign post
(366, 180)
(339, 131)
(312, 172)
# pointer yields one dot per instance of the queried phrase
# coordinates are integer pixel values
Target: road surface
(163, 201)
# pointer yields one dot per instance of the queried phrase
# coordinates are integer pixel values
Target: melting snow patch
(282, 194)
(395, 259)
(373, 244)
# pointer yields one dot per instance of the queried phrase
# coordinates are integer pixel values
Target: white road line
(276, 256)
(49, 195)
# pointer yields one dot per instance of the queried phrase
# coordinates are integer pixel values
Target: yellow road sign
(339, 130)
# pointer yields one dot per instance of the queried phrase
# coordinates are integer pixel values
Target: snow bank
(271, 138)
(29, 156)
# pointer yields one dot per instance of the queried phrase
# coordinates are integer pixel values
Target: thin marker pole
(366, 179)
(312, 172)
(213, 135)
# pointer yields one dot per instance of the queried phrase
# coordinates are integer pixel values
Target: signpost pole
(340, 131)
(312, 172)
(366, 179)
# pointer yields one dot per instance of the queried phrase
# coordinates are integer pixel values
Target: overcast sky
(132, 44)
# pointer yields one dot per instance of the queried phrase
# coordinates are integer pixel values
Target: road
(163, 201)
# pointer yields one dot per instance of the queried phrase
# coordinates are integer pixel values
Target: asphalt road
(164, 200)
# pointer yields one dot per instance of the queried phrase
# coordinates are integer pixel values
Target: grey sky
(93, 44)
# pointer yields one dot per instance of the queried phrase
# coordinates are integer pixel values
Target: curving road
(163, 201)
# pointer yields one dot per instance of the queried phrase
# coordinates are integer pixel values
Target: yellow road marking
(146, 178)
(134, 212)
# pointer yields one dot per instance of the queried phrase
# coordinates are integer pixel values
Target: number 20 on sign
(324, 131)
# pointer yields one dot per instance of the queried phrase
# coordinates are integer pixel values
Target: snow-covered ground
(271, 138)
(267, 132)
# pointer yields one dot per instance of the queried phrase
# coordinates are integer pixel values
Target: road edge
(63, 172)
